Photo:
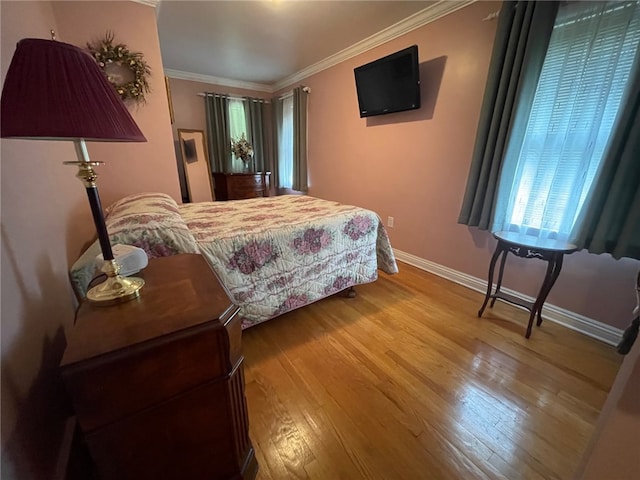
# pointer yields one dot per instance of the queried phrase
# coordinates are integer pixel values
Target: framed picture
(189, 149)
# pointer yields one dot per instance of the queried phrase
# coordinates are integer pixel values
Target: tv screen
(389, 84)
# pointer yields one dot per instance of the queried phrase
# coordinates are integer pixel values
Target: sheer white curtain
(546, 177)
(285, 144)
(237, 126)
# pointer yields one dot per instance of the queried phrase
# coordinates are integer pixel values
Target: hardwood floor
(406, 382)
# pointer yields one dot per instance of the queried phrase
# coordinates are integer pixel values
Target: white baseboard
(580, 323)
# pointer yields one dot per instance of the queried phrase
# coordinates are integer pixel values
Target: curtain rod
(232, 97)
(305, 89)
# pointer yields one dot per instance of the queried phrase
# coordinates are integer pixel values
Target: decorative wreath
(126, 71)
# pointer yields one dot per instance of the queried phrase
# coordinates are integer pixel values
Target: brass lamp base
(116, 288)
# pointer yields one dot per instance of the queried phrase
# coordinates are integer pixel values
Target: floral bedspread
(279, 253)
(271, 254)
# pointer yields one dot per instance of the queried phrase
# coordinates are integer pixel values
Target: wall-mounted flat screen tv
(389, 84)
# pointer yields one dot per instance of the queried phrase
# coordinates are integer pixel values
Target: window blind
(582, 82)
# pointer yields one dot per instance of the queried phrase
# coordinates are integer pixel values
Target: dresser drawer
(247, 186)
(151, 373)
(239, 186)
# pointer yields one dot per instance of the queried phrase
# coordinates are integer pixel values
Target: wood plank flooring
(406, 382)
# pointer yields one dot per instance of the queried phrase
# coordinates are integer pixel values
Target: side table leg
(535, 309)
(554, 264)
(492, 265)
(500, 274)
(557, 266)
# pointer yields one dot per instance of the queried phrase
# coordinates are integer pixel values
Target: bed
(272, 254)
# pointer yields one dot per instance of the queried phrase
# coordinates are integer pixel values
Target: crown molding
(151, 3)
(423, 17)
(225, 82)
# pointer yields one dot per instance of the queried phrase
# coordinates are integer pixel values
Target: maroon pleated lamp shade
(56, 91)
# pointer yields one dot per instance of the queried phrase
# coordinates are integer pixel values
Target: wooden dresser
(157, 383)
(238, 186)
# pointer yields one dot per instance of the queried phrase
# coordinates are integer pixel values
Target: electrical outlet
(390, 222)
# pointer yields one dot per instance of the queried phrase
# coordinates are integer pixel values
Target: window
(237, 126)
(291, 145)
(285, 144)
(547, 176)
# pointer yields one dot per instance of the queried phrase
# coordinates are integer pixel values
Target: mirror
(196, 165)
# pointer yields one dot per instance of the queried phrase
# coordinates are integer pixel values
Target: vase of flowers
(243, 150)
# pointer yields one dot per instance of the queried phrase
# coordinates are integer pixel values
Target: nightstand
(157, 382)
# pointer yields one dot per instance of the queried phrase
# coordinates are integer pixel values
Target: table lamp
(56, 91)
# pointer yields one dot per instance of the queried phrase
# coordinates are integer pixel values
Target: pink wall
(41, 200)
(414, 165)
(46, 221)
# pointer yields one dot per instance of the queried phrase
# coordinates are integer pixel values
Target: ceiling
(265, 43)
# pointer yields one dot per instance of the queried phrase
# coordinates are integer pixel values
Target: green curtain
(300, 139)
(218, 136)
(522, 37)
(610, 218)
(257, 135)
(276, 117)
